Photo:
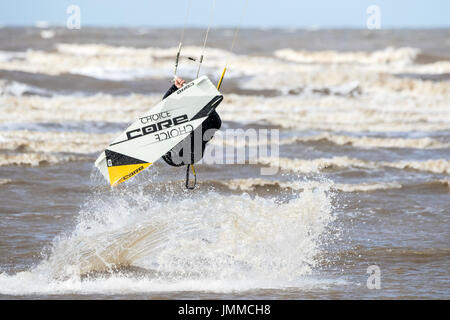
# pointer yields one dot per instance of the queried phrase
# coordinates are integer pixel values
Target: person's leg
(212, 122)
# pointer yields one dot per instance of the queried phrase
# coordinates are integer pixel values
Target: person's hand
(179, 82)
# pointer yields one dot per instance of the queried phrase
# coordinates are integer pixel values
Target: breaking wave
(387, 56)
(370, 142)
(100, 108)
(36, 159)
(108, 62)
(125, 63)
(356, 141)
(421, 113)
(5, 181)
(19, 89)
(47, 142)
(315, 165)
(254, 183)
(386, 113)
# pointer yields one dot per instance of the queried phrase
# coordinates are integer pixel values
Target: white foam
(435, 166)
(74, 108)
(53, 142)
(251, 184)
(36, 159)
(6, 56)
(5, 181)
(47, 34)
(26, 283)
(100, 59)
(239, 141)
(389, 55)
(360, 65)
(375, 112)
(316, 165)
(18, 89)
(118, 74)
(371, 142)
(423, 114)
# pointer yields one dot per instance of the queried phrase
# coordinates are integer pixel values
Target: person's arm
(171, 90)
(179, 82)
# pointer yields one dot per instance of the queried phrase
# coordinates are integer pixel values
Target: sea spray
(206, 241)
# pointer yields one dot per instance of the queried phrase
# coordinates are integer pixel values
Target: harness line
(235, 36)
(177, 59)
(206, 37)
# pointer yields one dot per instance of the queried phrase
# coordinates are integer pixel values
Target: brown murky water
(364, 160)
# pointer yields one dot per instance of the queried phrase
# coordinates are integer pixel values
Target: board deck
(158, 130)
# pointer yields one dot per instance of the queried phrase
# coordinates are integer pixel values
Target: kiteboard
(159, 130)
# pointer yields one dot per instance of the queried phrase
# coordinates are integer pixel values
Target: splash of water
(201, 241)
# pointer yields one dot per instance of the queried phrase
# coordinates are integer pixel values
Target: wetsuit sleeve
(171, 90)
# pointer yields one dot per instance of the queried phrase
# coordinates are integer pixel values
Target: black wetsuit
(211, 124)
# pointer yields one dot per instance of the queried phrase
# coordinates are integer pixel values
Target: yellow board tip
(119, 174)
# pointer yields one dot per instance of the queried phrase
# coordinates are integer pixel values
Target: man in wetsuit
(175, 157)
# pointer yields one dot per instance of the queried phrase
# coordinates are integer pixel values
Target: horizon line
(305, 27)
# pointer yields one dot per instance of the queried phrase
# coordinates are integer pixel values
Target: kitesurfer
(205, 132)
